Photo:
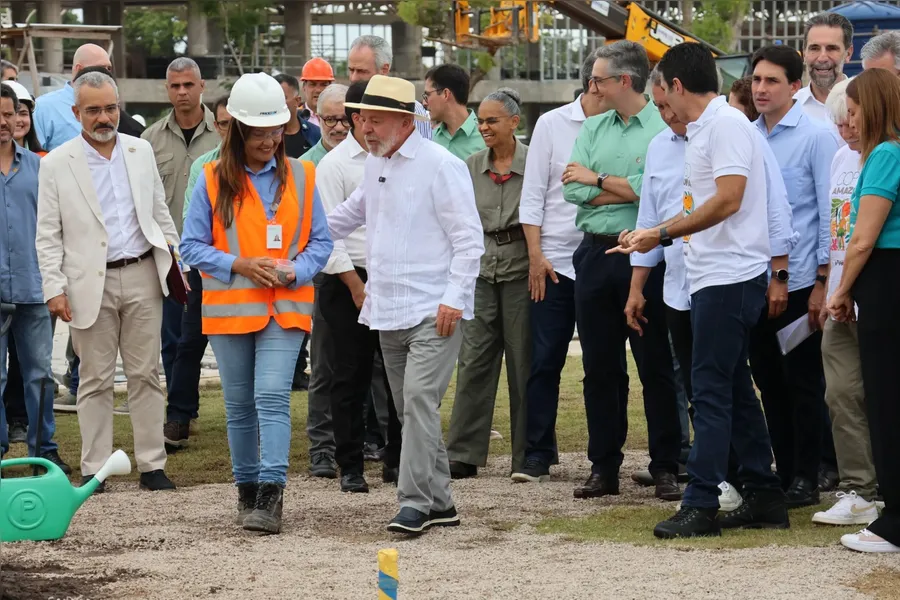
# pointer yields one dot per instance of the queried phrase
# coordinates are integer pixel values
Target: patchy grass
(634, 525)
(881, 583)
(208, 459)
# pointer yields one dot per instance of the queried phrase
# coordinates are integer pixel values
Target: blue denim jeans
(34, 346)
(727, 413)
(256, 371)
(170, 333)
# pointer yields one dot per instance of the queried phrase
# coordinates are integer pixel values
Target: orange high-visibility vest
(242, 306)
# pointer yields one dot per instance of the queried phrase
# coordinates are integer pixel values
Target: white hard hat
(258, 100)
(140, 120)
(20, 91)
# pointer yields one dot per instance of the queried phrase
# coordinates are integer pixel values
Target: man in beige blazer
(103, 246)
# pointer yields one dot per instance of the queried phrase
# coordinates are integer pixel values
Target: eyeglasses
(427, 93)
(332, 121)
(95, 111)
(598, 80)
(261, 134)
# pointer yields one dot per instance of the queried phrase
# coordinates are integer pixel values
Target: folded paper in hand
(794, 334)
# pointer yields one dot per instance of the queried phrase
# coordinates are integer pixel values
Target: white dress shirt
(815, 109)
(424, 239)
(126, 240)
(338, 174)
(542, 201)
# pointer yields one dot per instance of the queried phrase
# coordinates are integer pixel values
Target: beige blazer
(71, 233)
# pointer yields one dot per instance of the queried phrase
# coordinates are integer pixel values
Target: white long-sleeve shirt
(542, 201)
(424, 239)
(338, 174)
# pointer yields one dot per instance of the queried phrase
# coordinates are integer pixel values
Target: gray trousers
(501, 327)
(419, 364)
(318, 418)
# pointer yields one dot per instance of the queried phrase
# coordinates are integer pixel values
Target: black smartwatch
(664, 240)
(821, 278)
(781, 275)
(601, 178)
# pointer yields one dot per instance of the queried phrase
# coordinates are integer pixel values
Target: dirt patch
(881, 583)
(51, 581)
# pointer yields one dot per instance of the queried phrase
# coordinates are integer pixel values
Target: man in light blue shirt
(792, 385)
(20, 284)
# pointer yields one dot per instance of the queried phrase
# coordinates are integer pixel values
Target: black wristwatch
(821, 278)
(601, 178)
(664, 240)
(781, 275)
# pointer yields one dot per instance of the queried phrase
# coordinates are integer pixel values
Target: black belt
(124, 262)
(507, 236)
(600, 239)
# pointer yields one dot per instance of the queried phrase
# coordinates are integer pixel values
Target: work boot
(689, 522)
(175, 435)
(321, 464)
(760, 510)
(266, 515)
(247, 493)
(667, 486)
(53, 456)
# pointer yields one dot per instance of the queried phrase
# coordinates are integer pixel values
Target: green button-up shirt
(465, 142)
(315, 154)
(606, 144)
(498, 207)
(196, 170)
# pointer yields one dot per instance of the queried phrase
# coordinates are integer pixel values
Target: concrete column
(117, 17)
(216, 42)
(51, 11)
(197, 31)
(297, 27)
(406, 42)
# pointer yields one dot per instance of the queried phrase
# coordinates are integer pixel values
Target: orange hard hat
(317, 69)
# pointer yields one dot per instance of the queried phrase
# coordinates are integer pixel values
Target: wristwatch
(781, 275)
(664, 240)
(601, 178)
(821, 278)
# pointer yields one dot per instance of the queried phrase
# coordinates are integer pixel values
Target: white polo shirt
(720, 143)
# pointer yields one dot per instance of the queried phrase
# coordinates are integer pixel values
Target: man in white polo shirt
(726, 240)
(827, 45)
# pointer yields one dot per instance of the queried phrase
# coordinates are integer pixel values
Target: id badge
(273, 237)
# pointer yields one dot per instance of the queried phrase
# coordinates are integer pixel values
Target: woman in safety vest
(257, 232)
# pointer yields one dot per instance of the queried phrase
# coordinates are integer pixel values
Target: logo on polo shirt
(688, 204)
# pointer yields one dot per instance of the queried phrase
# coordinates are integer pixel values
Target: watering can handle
(29, 461)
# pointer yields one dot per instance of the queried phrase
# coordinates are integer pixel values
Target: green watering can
(41, 508)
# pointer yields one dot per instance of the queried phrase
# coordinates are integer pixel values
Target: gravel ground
(129, 544)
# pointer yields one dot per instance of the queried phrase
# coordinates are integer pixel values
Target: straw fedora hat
(390, 94)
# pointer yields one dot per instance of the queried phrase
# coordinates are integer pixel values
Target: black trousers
(349, 350)
(877, 291)
(793, 391)
(679, 322)
(602, 284)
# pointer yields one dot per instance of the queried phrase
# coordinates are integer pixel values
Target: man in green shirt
(332, 120)
(603, 178)
(445, 97)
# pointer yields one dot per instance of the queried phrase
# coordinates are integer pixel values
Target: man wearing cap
(316, 75)
(420, 284)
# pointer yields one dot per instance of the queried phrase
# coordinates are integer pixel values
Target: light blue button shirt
(53, 117)
(804, 149)
(662, 198)
(20, 276)
(196, 241)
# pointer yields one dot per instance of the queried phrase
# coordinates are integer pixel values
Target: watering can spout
(117, 464)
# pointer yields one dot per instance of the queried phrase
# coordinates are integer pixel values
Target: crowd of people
(408, 239)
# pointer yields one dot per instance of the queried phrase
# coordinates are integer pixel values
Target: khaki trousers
(846, 402)
(129, 323)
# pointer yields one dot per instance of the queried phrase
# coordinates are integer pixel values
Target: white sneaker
(850, 509)
(866, 541)
(729, 499)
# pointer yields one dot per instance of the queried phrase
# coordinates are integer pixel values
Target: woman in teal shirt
(870, 278)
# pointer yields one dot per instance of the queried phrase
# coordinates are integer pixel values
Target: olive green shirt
(498, 207)
(174, 158)
(315, 154)
(605, 144)
(465, 142)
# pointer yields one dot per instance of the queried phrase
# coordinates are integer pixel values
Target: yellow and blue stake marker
(388, 574)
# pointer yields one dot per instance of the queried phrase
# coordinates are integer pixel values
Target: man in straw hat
(423, 246)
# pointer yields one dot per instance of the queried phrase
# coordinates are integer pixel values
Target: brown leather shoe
(667, 486)
(597, 486)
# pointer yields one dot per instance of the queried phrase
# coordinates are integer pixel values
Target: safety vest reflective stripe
(255, 309)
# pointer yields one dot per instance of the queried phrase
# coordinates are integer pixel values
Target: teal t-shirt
(880, 176)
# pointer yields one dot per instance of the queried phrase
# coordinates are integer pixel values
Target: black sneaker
(266, 515)
(156, 481)
(689, 522)
(355, 483)
(461, 470)
(443, 518)
(803, 492)
(53, 456)
(100, 488)
(409, 521)
(760, 510)
(390, 474)
(534, 471)
(18, 433)
(175, 435)
(322, 464)
(246, 500)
